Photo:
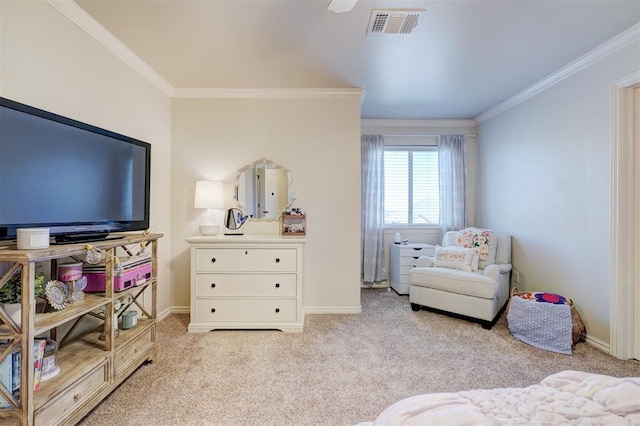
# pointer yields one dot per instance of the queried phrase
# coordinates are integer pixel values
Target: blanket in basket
(543, 325)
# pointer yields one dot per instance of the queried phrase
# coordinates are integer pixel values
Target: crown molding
(426, 123)
(617, 43)
(79, 17)
(269, 93)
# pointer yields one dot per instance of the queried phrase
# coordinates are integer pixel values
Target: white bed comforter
(568, 397)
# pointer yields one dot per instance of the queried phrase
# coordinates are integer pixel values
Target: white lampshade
(208, 195)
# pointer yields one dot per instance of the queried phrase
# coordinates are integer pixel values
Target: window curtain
(452, 183)
(372, 220)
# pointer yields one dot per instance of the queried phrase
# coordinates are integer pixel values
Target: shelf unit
(293, 224)
(93, 358)
(402, 259)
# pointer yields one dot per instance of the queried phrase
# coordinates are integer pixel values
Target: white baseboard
(596, 343)
(383, 284)
(308, 311)
(321, 310)
(173, 310)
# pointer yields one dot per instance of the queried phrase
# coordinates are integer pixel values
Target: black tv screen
(80, 181)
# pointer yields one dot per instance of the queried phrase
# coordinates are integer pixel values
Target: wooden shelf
(47, 321)
(126, 336)
(75, 360)
(90, 368)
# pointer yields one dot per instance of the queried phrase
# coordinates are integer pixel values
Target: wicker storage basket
(578, 324)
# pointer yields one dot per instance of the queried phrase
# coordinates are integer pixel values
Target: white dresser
(246, 282)
(402, 258)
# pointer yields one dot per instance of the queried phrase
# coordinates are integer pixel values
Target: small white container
(33, 238)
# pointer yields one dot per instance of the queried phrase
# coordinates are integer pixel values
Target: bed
(567, 397)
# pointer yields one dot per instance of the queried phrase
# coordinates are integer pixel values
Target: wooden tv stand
(93, 355)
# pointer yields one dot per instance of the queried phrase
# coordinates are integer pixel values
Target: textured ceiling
(462, 59)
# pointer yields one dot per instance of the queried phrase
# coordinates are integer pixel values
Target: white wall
(318, 140)
(544, 175)
(50, 63)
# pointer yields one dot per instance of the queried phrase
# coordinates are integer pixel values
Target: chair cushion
(452, 280)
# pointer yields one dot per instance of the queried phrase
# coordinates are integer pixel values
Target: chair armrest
(424, 261)
(493, 270)
(504, 267)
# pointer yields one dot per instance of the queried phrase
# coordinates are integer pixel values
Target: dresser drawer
(409, 256)
(263, 285)
(416, 251)
(241, 310)
(75, 396)
(405, 269)
(405, 279)
(130, 352)
(245, 260)
(408, 261)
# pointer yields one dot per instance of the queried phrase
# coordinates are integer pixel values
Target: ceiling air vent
(393, 21)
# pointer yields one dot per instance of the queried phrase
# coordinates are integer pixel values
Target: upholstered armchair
(449, 282)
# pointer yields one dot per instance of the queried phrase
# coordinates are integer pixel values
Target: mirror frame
(290, 199)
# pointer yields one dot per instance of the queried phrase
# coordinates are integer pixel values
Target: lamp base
(209, 230)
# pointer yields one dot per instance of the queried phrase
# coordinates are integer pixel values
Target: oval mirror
(264, 189)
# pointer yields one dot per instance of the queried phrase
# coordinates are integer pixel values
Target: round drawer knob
(213, 310)
(277, 285)
(213, 285)
(213, 260)
(277, 260)
(277, 310)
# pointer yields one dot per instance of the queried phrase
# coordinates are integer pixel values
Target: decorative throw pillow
(475, 260)
(482, 240)
(454, 257)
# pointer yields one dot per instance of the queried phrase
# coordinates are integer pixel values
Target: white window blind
(411, 186)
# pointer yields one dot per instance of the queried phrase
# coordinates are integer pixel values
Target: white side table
(402, 259)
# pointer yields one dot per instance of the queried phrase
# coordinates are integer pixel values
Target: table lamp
(208, 196)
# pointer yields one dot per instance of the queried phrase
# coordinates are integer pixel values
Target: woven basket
(578, 324)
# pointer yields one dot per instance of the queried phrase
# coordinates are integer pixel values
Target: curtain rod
(429, 136)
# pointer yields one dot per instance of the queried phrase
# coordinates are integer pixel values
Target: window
(411, 185)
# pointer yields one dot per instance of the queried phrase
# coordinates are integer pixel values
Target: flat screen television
(80, 181)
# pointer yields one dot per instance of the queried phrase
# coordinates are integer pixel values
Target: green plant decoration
(11, 292)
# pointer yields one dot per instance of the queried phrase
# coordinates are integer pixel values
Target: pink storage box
(131, 277)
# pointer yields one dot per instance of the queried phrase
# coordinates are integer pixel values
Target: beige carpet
(341, 370)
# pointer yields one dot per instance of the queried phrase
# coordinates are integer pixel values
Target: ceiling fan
(339, 6)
